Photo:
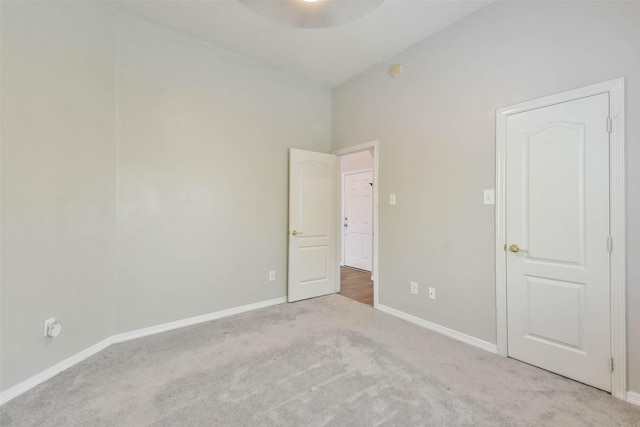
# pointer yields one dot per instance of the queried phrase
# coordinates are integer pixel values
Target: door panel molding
(361, 228)
(342, 210)
(312, 243)
(615, 89)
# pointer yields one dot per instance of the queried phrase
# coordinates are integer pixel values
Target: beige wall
(144, 177)
(202, 174)
(435, 124)
(58, 182)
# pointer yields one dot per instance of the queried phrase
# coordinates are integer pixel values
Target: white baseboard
(468, 339)
(127, 336)
(633, 397)
(20, 388)
(41, 377)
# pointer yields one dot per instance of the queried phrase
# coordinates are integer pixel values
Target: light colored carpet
(324, 362)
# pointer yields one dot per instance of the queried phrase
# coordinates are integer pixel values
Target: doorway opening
(357, 225)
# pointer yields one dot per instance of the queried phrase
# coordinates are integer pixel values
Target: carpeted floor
(324, 362)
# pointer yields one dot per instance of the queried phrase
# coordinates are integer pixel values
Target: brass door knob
(295, 233)
(515, 248)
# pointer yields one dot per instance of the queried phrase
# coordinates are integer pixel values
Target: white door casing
(558, 211)
(557, 204)
(358, 220)
(374, 146)
(312, 224)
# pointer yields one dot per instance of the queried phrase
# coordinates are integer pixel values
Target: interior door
(557, 228)
(358, 220)
(313, 261)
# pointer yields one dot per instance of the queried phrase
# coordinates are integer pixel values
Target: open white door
(312, 224)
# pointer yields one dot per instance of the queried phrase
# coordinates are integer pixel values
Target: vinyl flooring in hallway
(356, 284)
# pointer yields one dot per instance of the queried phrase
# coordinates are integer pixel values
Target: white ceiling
(329, 56)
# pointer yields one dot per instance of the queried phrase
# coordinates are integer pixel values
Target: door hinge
(611, 364)
(505, 247)
(610, 243)
(609, 124)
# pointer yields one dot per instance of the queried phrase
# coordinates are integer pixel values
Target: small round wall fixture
(53, 328)
(312, 13)
(395, 70)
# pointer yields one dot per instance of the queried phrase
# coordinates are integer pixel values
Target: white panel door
(557, 213)
(313, 258)
(358, 220)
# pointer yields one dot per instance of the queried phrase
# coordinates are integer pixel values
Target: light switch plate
(414, 288)
(489, 197)
(392, 199)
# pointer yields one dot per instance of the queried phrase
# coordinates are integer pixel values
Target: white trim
(619, 234)
(355, 171)
(615, 88)
(633, 397)
(375, 147)
(451, 333)
(127, 336)
(41, 377)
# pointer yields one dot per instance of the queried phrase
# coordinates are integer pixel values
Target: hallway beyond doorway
(356, 284)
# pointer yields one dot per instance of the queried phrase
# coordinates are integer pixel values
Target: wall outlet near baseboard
(272, 276)
(432, 293)
(414, 288)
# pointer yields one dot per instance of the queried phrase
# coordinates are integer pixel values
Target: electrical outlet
(432, 293)
(414, 288)
(272, 276)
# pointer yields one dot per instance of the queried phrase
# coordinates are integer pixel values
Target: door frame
(375, 149)
(342, 212)
(617, 226)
